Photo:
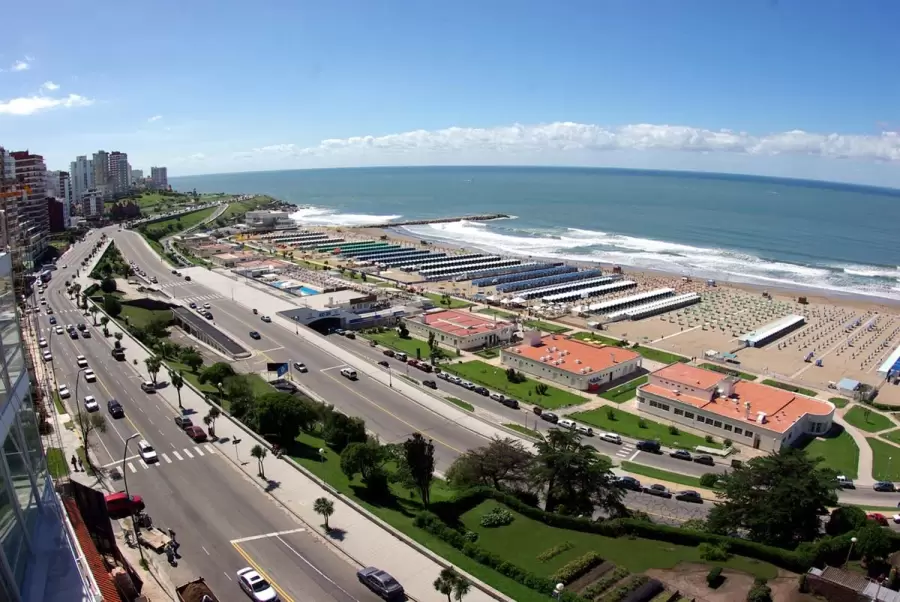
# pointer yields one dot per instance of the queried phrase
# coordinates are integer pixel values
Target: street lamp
(558, 590)
(321, 454)
(137, 538)
(390, 377)
(78, 403)
(853, 540)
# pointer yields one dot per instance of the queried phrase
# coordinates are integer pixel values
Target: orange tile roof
(577, 355)
(690, 375)
(782, 408)
(92, 556)
(461, 323)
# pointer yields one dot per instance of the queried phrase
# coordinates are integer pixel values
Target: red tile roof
(461, 323)
(575, 354)
(91, 555)
(690, 376)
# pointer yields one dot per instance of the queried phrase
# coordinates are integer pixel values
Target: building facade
(570, 362)
(159, 178)
(461, 329)
(748, 413)
(31, 215)
(58, 187)
(100, 163)
(81, 173)
(118, 173)
(137, 175)
(92, 204)
(269, 220)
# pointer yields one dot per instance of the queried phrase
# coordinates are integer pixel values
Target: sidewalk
(866, 459)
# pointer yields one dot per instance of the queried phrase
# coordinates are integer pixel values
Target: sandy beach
(851, 335)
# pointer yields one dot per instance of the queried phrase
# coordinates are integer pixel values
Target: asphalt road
(223, 521)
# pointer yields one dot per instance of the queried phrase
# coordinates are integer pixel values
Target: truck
(117, 352)
(195, 591)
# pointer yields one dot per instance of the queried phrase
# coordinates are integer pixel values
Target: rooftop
(573, 355)
(690, 376)
(334, 299)
(461, 323)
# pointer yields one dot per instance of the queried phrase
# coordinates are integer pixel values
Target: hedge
(621, 592)
(555, 551)
(579, 567)
(598, 587)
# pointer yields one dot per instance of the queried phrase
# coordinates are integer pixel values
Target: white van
(348, 373)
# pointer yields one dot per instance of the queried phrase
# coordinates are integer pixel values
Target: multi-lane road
(223, 521)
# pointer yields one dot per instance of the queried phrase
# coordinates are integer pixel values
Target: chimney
(747, 410)
(612, 357)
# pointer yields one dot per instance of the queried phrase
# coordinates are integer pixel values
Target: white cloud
(49, 86)
(21, 65)
(30, 105)
(564, 138)
(155, 118)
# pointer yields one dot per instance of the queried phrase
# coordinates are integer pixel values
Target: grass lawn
(522, 541)
(242, 207)
(884, 466)
(868, 420)
(84, 460)
(488, 354)
(629, 425)
(454, 303)
(496, 312)
(57, 463)
(663, 357)
(413, 347)
(590, 337)
(60, 408)
(892, 436)
(662, 475)
(547, 326)
(839, 402)
(729, 371)
(787, 387)
(839, 452)
(179, 223)
(138, 316)
(625, 391)
(463, 404)
(524, 430)
(495, 379)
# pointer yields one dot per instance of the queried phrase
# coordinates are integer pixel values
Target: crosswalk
(199, 298)
(625, 451)
(178, 455)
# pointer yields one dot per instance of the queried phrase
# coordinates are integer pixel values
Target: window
(709, 420)
(679, 412)
(738, 430)
(717, 424)
(748, 433)
(689, 415)
(728, 427)
(700, 418)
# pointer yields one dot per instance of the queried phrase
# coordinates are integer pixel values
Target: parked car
(511, 403)
(707, 460)
(884, 486)
(630, 483)
(658, 490)
(350, 335)
(481, 391)
(497, 396)
(566, 423)
(845, 482)
(388, 352)
(381, 583)
(611, 438)
(550, 417)
(689, 496)
(681, 454)
(878, 518)
(64, 392)
(196, 433)
(119, 505)
(183, 422)
(148, 387)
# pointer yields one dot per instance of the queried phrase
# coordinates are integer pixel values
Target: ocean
(835, 238)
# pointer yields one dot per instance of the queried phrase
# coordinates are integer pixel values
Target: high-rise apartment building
(159, 178)
(101, 173)
(81, 173)
(92, 204)
(118, 173)
(137, 175)
(59, 188)
(31, 216)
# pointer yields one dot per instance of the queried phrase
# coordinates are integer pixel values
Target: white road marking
(271, 350)
(166, 458)
(117, 462)
(177, 455)
(229, 577)
(198, 450)
(634, 455)
(210, 449)
(187, 453)
(205, 550)
(313, 567)
(131, 467)
(266, 535)
(144, 464)
(333, 368)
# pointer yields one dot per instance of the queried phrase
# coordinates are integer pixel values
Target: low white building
(266, 219)
(570, 362)
(461, 329)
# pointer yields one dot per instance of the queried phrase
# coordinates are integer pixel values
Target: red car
(196, 433)
(878, 518)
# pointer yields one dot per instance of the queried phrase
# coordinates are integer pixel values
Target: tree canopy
(502, 464)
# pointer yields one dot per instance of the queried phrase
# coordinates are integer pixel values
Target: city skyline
(782, 89)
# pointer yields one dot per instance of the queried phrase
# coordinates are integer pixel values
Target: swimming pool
(305, 290)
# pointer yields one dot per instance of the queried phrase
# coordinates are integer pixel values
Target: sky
(796, 88)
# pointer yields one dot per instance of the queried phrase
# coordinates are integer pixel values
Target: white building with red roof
(461, 329)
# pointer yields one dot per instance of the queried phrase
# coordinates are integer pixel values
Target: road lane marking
(131, 467)
(177, 455)
(267, 535)
(229, 576)
(144, 464)
(634, 455)
(270, 350)
(166, 458)
(205, 550)
(314, 567)
(187, 453)
(209, 448)
(259, 570)
(333, 368)
(198, 450)
(117, 462)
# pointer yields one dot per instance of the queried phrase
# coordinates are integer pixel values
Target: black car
(254, 335)
(884, 486)
(707, 460)
(115, 409)
(510, 403)
(430, 384)
(481, 391)
(658, 491)
(681, 454)
(381, 582)
(52, 321)
(689, 496)
(73, 334)
(350, 335)
(629, 483)
(193, 305)
(183, 422)
(86, 334)
(550, 417)
(208, 315)
(648, 446)
(384, 363)
(82, 327)
(188, 278)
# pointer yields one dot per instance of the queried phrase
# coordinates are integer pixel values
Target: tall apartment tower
(81, 173)
(32, 219)
(159, 178)
(118, 172)
(8, 204)
(101, 173)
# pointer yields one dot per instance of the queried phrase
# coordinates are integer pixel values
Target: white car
(90, 404)
(43, 301)
(611, 438)
(148, 454)
(42, 342)
(584, 430)
(59, 330)
(206, 306)
(82, 361)
(48, 357)
(64, 392)
(566, 423)
(90, 376)
(255, 586)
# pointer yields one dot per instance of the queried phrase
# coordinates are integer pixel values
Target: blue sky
(804, 88)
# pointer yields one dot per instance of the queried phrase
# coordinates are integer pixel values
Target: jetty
(486, 217)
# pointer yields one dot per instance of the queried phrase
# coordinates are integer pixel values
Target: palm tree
(259, 452)
(177, 380)
(94, 311)
(451, 582)
(103, 322)
(118, 336)
(213, 415)
(153, 366)
(325, 507)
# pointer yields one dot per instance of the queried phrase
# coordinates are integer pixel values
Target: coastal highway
(223, 521)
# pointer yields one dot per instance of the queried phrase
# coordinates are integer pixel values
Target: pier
(438, 220)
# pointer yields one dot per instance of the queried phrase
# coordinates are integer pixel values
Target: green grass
(729, 371)
(454, 303)
(839, 402)
(180, 223)
(629, 425)
(495, 379)
(892, 436)
(525, 539)
(524, 430)
(590, 337)
(414, 348)
(60, 407)
(138, 316)
(488, 354)
(791, 388)
(868, 420)
(547, 326)
(84, 460)
(663, 357)
(662, 475)
(463, 404)
(242, 207)
(56, 463)
(625, 391)
(496, 312)
(838, 452)
(886, 460)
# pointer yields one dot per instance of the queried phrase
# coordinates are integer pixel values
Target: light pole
(390, 377)
(78, 403)
(137, 537)
(235, 443)
(558, 590)
(853, 540)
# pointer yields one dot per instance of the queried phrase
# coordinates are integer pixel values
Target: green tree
(450, 582)
(503, 464)
(340, 430)
(845, 519)
(153, 366)
(403, 331)
(93, 309)
(87, 424)
(192, 359)
(777, 499)
(118, 336)
(237, 390)
(367, 460)
(213, 415)
(108, 285)
(873, 542)
(177, 380)
(325, 507)
(103, 322)
(417, 465)
(284, 416)
(112, 306)
(259, 452)
(215, 374)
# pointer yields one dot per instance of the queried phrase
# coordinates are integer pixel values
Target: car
(52, 320)
(206, 306)
(350, 335)
(82, 361)
(120, 505)
(469, 386)
(255, 335)
(64, 392)
(86, 334)
(90, 404)
(511, 403)
(884, 486)
(707, 460)
(338, 331)
(584, 430)
(627, 482)
(89, 376)
(48, 357)
(196, 433)
(154, 280)
(349, 373)
(381, 582)
(430, 384)
(257, 588)
(148, 454)
(566, 423)
(187, 278)
(689, 496)
(208, 315)
(384, 364)
(82, 327)
(400, 356)
(183, 422)
(115, 409)
(497, 396)
(611, 438)
(681, 454)
(845, 482)
(42, 342)
(59, 330)
(658, 490)
(148, 387)
(73, 334)
(301, 367)
(549, 417)
(388, 352)
(193, 305)
(878, 518)
(43, 301)
(482, 391)
(49, 311)
(175, 272)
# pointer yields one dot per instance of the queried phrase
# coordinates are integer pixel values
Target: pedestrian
(80, 465)
(74, 463)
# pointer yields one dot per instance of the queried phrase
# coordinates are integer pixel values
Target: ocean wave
(872, 271)
(321, 216)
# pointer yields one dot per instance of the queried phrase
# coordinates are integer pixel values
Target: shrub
(610, 413)
(598, 587)
(714, 552)
(727, 442)
(580, 566)
(621, 592)
(498, 517)
(709, 479)
(709, 438)
(714, 577)
(555, 551)
(471, 536)
(760, 592)
(673, 430)
(642, 424)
